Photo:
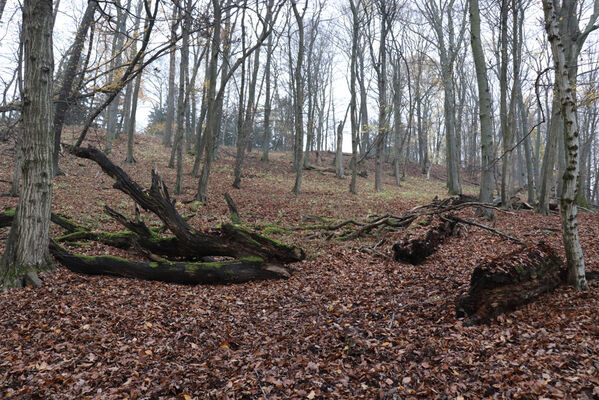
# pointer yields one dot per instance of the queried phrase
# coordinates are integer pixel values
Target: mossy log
(255, 256)
(190, 273)
(230, 240)
(419, 243)
(510, 281)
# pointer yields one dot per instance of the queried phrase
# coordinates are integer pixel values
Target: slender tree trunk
(485, 112)
(383, 120)
(565, 90)
(355, 128)
(64, 93)
(397, 123)
(132, 113)
(26, 251)
(170, 98)
(211, 122)
(555, 127)
(506, 131)
(183, 97)
(268, 95)
(117, 54)
(299, 100)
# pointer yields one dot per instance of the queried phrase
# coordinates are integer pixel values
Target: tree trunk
(64, 93)
(485, 112)
(228, 241)
(182, 100)
(268, 99)
(506, 130)
(355, 128)
(299, 101)
(26, 251)
(131, 113)
(170, 98)
(116, 64)
(566, 92)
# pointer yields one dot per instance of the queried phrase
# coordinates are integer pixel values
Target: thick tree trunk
(26, 251)
(230, 240)
(510, 281)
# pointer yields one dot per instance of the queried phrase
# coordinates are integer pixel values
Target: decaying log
(247, 254)
(421, 242)
(510, 281)
(223, 272)
(230, 240)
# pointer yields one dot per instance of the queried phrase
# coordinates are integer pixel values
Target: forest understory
(349, 323)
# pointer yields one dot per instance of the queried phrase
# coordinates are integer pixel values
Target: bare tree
(566, 39)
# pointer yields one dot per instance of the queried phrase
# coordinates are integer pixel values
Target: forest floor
(348, 324)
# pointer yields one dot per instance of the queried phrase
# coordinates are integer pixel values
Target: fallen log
(419, 243)
(254, 256)
(230, 240)
(192, 273)
(509, 281)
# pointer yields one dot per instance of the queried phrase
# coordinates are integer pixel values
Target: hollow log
(191, 273)
(418, 244)
(510, 281)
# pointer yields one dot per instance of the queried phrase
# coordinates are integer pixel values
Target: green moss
(9, 212)
(252, 259)
(195, 206)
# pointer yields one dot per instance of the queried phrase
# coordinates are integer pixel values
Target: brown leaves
(346, 325)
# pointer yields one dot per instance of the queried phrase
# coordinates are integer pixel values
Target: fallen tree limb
(7, 215)
(486, 227)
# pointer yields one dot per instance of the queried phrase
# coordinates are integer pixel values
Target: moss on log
(190, 273)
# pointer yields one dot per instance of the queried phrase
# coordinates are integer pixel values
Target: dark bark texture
(510, 281)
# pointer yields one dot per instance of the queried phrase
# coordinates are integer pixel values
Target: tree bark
(485, 112)
(26, 251)
(68, 77)
(566, 92)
